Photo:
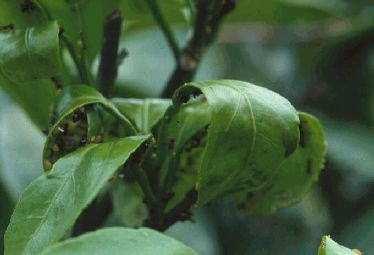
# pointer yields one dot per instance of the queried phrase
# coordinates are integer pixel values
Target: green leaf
(330, 247)
(140, 17)
(69, 102)
(144, 113)
(296, 174)
(180, 143)
(175, 133)
(282, 12)
(30, 54)
(117, 241)
(81, 19)
(286, 11)
(50, 204)
(18, 14)
(252, 130)
(186, 177)
(28, 60)
(129, 209)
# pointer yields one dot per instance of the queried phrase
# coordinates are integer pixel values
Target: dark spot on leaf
(167, 196)
(27, 6)
(302, 141)
(171, 143)
(83, 140)
(56, 82)
(289, 148)
(228, 5)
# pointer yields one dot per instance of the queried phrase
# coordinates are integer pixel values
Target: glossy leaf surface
(252, 130)
(50, 204)
(81, 20)
(28, 60)
(296, 174)
(118, 241)
(144, 113)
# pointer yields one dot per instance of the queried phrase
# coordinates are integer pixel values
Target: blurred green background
(319, 54)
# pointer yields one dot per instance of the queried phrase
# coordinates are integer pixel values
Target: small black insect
(27, 6)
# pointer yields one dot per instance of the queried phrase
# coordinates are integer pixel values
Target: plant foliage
(214, 139)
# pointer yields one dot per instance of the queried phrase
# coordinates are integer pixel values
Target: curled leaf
(251, 131)
(296, 174)
(70, 125)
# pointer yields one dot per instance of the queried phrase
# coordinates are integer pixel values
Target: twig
(169, 35)
(108, 67)
(209, 16)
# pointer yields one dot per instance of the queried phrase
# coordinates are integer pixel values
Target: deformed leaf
(330, 247)
(251, 131)
(77, 96)
(177, 128)
(175, 134)
(28, 60)
(50, 204)
(118, 241)
(186, 175)
(296, 174)
(180, 142)
(70, 101)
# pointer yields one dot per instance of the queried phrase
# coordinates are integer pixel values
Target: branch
(169, 35)
(109, 53)
(209, 16)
